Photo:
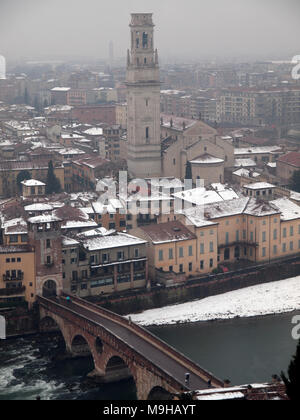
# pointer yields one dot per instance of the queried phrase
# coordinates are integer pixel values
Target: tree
(52, 182)
(21, 177)
(295, 181)
(188, 170)
(292, 383)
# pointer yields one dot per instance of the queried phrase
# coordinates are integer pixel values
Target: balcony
(14, 291)
(239, 243)
(18, 277)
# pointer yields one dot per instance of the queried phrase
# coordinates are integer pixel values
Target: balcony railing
(238, 243)
(14, 291)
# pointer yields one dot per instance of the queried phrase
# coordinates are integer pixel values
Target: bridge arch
(159, 393)
(80, 346)
(49, 288)
(116, 369)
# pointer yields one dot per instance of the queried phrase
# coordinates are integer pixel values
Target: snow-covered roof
(78, 224)
(168, 232)
(260, 208)
(206, 159)
(259, 186)
(112, 241)
(46, 218)
(94, 131)
(244, 163)
(38, 207)
(246, 173)
(256, 150)
(201, 195)
(69, 241)
(32, 183)
(60, 89)
(14, 226)
(288, 209)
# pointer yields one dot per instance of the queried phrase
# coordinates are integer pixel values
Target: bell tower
(143, 100)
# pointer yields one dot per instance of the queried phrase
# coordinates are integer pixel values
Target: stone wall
(198, 289)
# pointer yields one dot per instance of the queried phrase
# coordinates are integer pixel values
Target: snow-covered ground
(265, 299)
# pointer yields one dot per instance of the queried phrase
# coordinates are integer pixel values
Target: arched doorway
(49, 289)
(159, 393)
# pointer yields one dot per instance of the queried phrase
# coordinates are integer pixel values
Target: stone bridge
(122, 349)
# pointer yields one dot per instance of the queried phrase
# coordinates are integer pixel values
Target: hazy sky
(193, 28)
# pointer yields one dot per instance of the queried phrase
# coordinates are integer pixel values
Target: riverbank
(277, 297)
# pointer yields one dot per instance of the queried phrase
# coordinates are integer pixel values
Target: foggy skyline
(193, 29)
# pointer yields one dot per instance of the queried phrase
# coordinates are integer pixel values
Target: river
(242, 350)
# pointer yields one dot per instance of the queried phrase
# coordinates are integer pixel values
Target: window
(227, 238)
(264, 237)
(18, 259)
(202, 248)
(48, 259)
(120, 255)
(190, 251)
(275, 234)
(145, 40)
(283, 247)
(180, 252)
(13, 238)
(190, 266)
(147, 132)
(170, 253)
(211, 247)
(7, 260)
(264, 252)
(275, 249)
(24, 238)
(291, 230)
(251, 236)
(74, 275)
(105, 258)
(237, 235)
(291, 246)
(211, 262)
(160, 255)
(284, 233)
(201, 265)
(84, 274)
(136, 253)
(48, 243)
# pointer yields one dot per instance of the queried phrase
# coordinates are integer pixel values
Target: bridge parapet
(148, 336)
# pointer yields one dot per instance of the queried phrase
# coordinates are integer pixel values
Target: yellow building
(251, 229)
(33, 187)
(17, 274)
(172, 249)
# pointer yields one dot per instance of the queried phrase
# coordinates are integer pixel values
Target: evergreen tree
(21, 177)
(292, 383)
(188, 170)
(52, 182)
(295, 181)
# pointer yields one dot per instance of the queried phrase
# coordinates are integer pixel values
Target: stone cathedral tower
(143, 100)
